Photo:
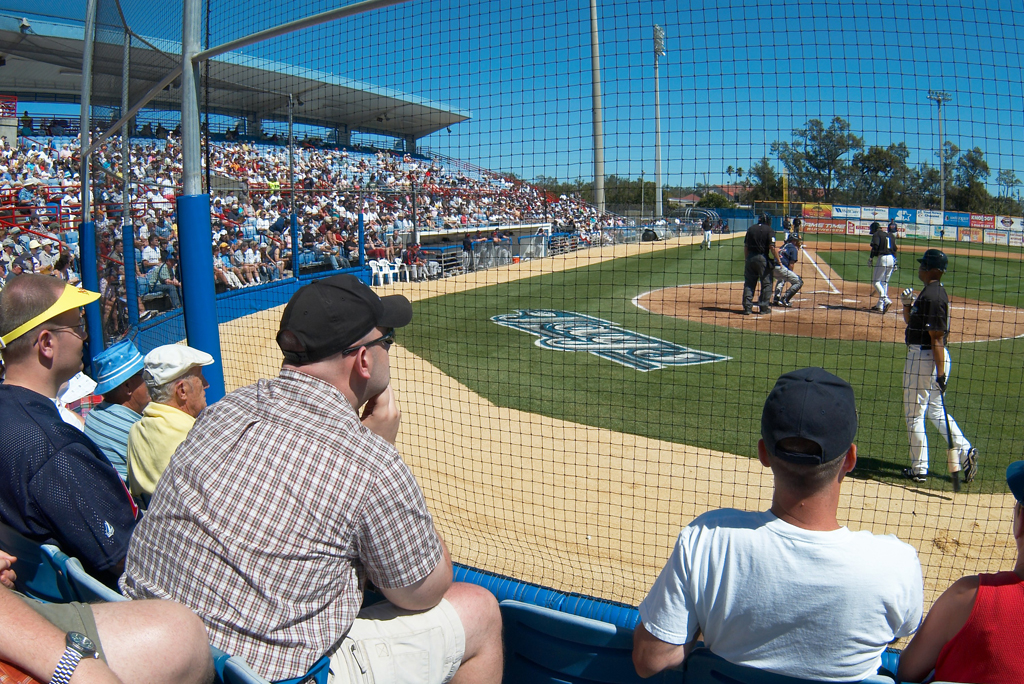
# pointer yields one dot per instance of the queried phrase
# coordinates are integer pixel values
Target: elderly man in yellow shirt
(177, 389)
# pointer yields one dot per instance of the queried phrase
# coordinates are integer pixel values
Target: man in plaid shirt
(285, 498)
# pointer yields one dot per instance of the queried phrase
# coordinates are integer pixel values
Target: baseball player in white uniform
(883, 248)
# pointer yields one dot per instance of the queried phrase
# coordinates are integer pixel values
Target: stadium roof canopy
(44, 63)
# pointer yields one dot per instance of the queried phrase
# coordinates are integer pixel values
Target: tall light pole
(595, 70)
(659, 51)
(641, 198)
(940, 96)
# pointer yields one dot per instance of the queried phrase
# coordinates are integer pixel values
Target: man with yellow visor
(55, 484)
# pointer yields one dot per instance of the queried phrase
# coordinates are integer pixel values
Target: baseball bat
(952, 455)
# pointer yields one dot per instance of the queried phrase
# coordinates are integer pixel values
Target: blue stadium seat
(704, 667)
(40, 568)
(545, 646)
(88, 588)
(231, 669)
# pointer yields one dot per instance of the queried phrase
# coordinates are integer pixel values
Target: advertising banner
(1011, 223)
(917, 230)
(983, 221)
(845, 211)
(970, 235)
(817, 211)
(875, 213)
(1016, 239)
(957, 218)
(903, 215)
(942, 232)
(996, 237)
(858, 227)
(930, 216)
(829, 225)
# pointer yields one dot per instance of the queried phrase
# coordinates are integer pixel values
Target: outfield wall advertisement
(919, 223)
(826, 225)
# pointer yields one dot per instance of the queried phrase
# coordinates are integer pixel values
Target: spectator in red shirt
(972, 633)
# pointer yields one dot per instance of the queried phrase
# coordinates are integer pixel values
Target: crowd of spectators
(40, 206)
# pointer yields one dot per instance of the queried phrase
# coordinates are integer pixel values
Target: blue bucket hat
(1015, 479)
(115, 365)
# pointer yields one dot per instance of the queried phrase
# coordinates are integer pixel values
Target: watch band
(66, 666)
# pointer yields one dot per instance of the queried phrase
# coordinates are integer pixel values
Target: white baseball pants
(921, 398)
(883, 272)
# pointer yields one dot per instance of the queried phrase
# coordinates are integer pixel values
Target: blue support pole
(296, 246)
(91, 281)
(362, 240)
(131, 284)
(198, 299)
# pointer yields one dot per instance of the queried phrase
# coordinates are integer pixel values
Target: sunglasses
(386, 340)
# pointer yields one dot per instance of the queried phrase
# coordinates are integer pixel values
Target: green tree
(814, 159)
(879, 175)
(971, 167)
(765, 184)
(713, 200)
(1007, 179)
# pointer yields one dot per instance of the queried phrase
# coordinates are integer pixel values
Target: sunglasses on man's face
(385, 340)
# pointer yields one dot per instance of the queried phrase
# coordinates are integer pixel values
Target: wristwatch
(78, 646)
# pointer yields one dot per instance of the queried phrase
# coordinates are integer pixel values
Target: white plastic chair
(392, 269)
(376, 275)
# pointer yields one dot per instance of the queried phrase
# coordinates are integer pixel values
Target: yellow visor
(72, 298)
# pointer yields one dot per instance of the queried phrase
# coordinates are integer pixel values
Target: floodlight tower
(595, 70)
(659, 51)
(940, 96)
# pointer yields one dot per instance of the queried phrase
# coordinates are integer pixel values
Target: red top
(989, 649)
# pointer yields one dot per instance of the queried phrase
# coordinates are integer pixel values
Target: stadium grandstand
(572, 199)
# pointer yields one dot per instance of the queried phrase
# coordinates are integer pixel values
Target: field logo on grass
(575, 332)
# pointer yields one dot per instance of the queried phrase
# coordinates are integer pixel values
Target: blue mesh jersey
(57, 487)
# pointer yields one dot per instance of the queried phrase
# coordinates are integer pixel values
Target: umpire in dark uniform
(761, 255)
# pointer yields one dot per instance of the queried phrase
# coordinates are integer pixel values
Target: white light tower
(659, 51)
(940, 96)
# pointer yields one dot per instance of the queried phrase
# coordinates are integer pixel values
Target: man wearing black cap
(972, 633)
(291, 494)
(760, 256)
(926, 370)
(788, 590)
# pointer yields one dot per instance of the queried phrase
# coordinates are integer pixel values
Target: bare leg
(481, 619)
(154, 642)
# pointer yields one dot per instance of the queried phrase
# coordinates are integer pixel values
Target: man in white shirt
(787, 590)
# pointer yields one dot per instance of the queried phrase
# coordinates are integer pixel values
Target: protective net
(582, 377)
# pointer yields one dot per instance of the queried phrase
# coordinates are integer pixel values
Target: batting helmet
(797, 223)
(875, 227)
(934, 259)
(794, 237)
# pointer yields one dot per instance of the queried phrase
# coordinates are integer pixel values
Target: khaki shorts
(69, 617)
(388, 645)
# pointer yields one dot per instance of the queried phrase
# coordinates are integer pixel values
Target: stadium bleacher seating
(40, 568)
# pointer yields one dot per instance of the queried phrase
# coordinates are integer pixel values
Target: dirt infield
(588, 510)
(828, 307)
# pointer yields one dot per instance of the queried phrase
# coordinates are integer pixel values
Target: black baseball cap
(934, 259)
(815, 405)
(330, 315)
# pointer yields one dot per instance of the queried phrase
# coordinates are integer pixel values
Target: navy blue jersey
(788, 254)
(57, 487)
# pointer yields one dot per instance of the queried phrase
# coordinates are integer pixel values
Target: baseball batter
(788, 256)
(883, 248)
(926, 371)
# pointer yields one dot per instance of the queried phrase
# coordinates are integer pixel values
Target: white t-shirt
(767, 594)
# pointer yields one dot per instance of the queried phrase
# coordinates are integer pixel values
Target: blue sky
(738, 74)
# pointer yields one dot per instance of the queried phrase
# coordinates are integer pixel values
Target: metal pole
(291, 160)
(942, 168)
(659, 51)
(87, 231)
(641, 198)
(415, 222)
(195, 235)
(131, 284)
(595, 70)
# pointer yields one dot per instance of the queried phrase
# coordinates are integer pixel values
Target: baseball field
(566, 416)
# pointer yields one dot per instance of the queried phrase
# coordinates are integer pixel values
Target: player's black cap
(330, 315)
(932, 259)
(815, 405)
(1015, 480)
